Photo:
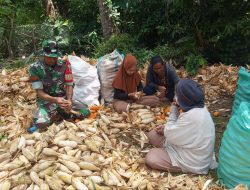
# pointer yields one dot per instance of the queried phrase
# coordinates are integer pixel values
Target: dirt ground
(224, 107)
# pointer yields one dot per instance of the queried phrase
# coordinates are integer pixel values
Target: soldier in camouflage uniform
(53, 81)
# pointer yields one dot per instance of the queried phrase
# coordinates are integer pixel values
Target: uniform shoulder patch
(33, 78)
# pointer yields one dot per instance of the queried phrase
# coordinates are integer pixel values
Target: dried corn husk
(70, 165)
(44, 186)
(88, 166)
(94, 153)
(64, 177)
(49, 152)
(82, 173)
(20, 187)
(6, 185)
(35, 178)
(77, 184)
(105, 119)
(53, 183)
(71, 144)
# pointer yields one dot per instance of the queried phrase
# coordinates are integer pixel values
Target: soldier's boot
(32, 128)
(41, 120)
(41, 127)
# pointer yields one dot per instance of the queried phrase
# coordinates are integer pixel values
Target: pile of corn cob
(106, 152)
(90, 154)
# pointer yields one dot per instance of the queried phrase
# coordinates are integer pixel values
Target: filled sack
(87, 84)
(107, 68)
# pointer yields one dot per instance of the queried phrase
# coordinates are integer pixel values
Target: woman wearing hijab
(186, 142)
(161, 77)
(127, 84)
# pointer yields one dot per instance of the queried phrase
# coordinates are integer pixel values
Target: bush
(124, 43)
(234, 50)
(194, 62)
(142, 56)
(13, 64)
(167, 52)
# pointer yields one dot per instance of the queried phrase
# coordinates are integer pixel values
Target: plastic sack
(234, 159)
(107, 68)
(87, 84)
(243, 88)
(82, 71)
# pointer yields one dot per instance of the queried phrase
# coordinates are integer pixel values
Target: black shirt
(122, 95)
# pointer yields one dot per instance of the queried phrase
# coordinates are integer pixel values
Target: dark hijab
(189, 94)
(154, 60)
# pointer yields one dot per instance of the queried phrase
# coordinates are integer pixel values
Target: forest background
(192, 33)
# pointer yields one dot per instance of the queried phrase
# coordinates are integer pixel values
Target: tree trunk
(199, 38)
(34, 39)
(62, 7)
(50, 8)
(8, 39)
(10, 52)
(107, 25)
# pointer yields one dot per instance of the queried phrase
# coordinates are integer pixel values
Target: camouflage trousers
(45, 113)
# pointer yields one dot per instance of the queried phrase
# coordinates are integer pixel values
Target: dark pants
(149, 90)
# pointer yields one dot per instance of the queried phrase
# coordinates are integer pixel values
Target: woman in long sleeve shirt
(186, 142)
(126, 85)
(161, 77)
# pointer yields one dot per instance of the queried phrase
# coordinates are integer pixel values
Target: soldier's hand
(69, 106)
(61, 102)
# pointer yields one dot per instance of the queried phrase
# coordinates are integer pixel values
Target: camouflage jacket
(51, 79)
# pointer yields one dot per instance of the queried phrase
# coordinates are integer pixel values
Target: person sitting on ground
(186, 142)
(52, 79)
(128, 87)
(161, 77)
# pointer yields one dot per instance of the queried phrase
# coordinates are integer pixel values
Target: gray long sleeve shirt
(189, 139)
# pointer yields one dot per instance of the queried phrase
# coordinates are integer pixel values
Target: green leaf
(65, 23)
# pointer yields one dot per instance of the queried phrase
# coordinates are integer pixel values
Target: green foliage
(113, 12)
(60, 33)
(12, 64)
(141, 19)
(217, 30)
(14, 14)
(29, 12)
(142, 55)
(28, 38)
(167, 52)
(85, 44)
(3, 136)
(85, 30)
(17, 63)
(235, 50)
(123, 43)
(194, 62)
(187, 26)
